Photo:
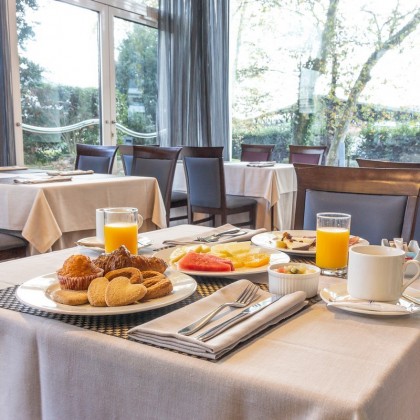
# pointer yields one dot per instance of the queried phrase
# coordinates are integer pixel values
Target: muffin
(77, 273)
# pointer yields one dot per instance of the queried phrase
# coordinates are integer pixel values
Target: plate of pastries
(115, 283)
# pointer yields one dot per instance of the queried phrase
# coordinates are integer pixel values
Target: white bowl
(282, 283)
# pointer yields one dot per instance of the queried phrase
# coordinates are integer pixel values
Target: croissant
(121, 258)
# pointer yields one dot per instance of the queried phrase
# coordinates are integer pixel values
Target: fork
(216, 236)
(247, 296)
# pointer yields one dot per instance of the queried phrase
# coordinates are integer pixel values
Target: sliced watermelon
(194, 261)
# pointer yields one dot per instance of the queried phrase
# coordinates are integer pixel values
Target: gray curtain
(193, 75)
(7, 136)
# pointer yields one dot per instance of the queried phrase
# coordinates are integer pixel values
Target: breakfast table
(321, 363)
(274, 187)
(54, 215)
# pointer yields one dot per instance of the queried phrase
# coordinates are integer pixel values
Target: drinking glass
(120, 228)
(332, 243)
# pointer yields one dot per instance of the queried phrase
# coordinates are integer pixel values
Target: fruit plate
(276, 256)
(36, 294)
(267, 240)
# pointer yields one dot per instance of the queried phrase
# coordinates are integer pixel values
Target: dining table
(273, 185)
(54, 215)
(320, 363)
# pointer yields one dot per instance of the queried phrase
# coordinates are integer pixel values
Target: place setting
(378, 277)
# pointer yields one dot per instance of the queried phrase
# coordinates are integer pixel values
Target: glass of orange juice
(120, 228)
(332, 243)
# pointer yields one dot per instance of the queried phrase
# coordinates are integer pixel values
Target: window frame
(107, 10)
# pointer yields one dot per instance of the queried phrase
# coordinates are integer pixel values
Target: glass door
(87, 74)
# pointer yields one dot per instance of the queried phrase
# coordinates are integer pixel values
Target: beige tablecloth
(321, 364)
(55, 215)
(273, 187)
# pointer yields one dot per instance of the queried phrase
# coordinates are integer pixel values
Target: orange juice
(117, 234)
(332, 246)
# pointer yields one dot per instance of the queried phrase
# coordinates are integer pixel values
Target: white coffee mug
(377, 272)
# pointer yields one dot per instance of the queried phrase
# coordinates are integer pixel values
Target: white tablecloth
(273, 187)
(321, 364)
(55, 215)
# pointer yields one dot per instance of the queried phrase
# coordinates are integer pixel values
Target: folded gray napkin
(163, 331)
(12, 168)
(261, 164)
(68, 173)
(42, 180)
(192, 239)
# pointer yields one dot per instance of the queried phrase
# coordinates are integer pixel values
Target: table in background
(55, 215)
(320, 364)
(274, 188)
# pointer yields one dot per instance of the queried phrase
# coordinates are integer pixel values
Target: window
(327, 73)
(87, 74)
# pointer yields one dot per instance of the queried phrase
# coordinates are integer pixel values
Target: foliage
(280, 136)
(337, 54)
(384, 142)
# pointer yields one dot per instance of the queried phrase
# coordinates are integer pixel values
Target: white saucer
(94, 244)
(338, 293)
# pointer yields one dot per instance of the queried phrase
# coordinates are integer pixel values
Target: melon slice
(194, 261)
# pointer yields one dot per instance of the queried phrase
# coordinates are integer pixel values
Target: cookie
(120, 292)
(96, 291)
(134, 274)
(70, 297)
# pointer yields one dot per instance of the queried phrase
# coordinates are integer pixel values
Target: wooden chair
(12, 245)
(313, 155)
(382, 203)
(372, 163)
(160, 163)
(256, 152)
(205, 177)
(100, 159)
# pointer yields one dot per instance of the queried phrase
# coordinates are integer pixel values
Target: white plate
(267, 240)
(36, 293)
(94, 244)
(338, 293)
(275, 257)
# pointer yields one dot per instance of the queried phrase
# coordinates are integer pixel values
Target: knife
(246, 313)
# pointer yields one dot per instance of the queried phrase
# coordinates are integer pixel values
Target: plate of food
(112, 284)
(298, 242)
(231, 259)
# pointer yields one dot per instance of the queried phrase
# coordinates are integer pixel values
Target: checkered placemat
(116, 325)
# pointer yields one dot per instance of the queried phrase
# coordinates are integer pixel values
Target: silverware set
(248, 295)
(215, 237)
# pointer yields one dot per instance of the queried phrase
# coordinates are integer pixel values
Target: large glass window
(87, 74)
(341, 73)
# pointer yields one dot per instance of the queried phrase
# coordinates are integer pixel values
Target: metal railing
(83, 124)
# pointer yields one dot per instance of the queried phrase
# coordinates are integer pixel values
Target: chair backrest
(205, 177)
(383, 203)
(100, 159)
(372, 163)
(126, 153)
(159, 163)
(256, 152)
(313, 155)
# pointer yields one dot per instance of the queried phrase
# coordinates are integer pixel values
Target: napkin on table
(42, 180)
(261, 164)
(163, 331)
(192, 238)
(12, 168)
(374, 306)
(68, 173)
